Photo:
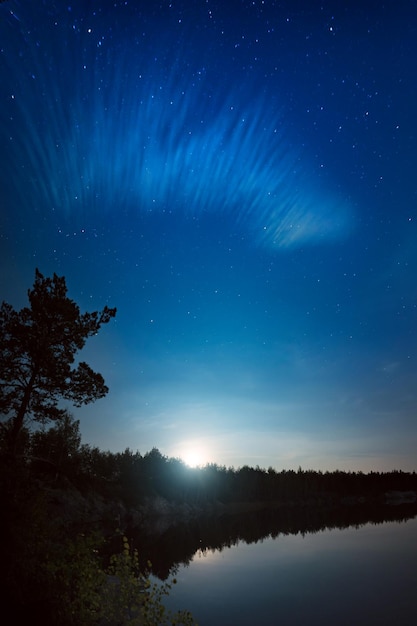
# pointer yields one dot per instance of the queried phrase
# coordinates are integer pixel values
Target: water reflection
(178, 545)
(357, 575)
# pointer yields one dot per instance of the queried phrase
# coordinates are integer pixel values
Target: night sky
(238, 178)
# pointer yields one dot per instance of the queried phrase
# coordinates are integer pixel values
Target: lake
(352, 576)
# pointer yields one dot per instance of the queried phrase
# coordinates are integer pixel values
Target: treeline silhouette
(134, 477)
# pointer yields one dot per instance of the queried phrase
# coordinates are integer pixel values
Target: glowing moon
(194, 455)
(193, 458)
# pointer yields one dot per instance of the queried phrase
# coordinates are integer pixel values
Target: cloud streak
(101, 139)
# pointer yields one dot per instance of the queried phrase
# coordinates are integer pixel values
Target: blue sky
(238, 179)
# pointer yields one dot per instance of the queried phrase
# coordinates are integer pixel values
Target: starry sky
(240, 180)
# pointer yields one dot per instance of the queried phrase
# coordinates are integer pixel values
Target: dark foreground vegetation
(65, 559)
(78, 524)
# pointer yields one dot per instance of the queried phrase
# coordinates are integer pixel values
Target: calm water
(354, 576)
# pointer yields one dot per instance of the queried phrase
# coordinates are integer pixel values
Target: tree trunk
(17, 423)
